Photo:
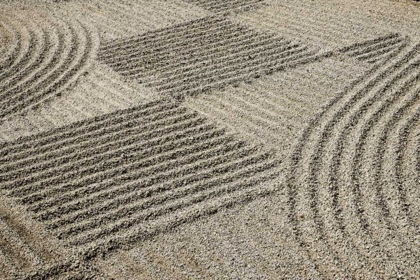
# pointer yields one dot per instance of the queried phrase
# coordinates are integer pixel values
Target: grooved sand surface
(209, 139)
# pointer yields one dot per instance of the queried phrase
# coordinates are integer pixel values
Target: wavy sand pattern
(208, 139)
(43, 59)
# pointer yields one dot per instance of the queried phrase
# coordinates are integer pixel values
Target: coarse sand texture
(209, 139)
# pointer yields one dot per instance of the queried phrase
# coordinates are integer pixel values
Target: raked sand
(209, 139)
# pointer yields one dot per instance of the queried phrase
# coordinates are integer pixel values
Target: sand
(208, 139)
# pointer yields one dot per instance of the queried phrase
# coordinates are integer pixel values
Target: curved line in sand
(330, 204)
(46, 62)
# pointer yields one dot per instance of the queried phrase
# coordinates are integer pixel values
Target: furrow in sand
(381, 123)
(17, 89)
(291, 93)
(168, 177)
(102, 151)
(382, 58)
(127, 218)
(378, 198)
(160, 45)
(392, 40)
(155, 55)
(271, 112)
(277, 53)
(167, 34)
(172, 184)
(312, 169)
(406, 168)
(197, 67)
(224, 72)
(176, 205)
(18, 253)
(43, 61)
(378, 49)
(131, 13)
(22, 56)
(360, 46)
(64, 203)
(119, 19)
(391, 194)
(273, 25)
(296, 58)
(174, 165)
(239, 47)
(333, 25)
(66, 45)
(255, 121)
(113, 17)
(37, 49)
(187, 59)
(74, 66)
(383, 128)
(235, 6)
(400, 188)
(150, 228)
(90, 127)
(47, 65)
(296, 196)
(363, 192)
(324, 28)
(182, 54)
(155, 122)
(221, 63)
(121, 96)
(33, 82)
(298, 27)
(411, 172)
(172, 78)
(24, 243)
(162, 123)
(224, 7)
(147, 162)
(42, 184)
(377, 54)
(15, 43)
